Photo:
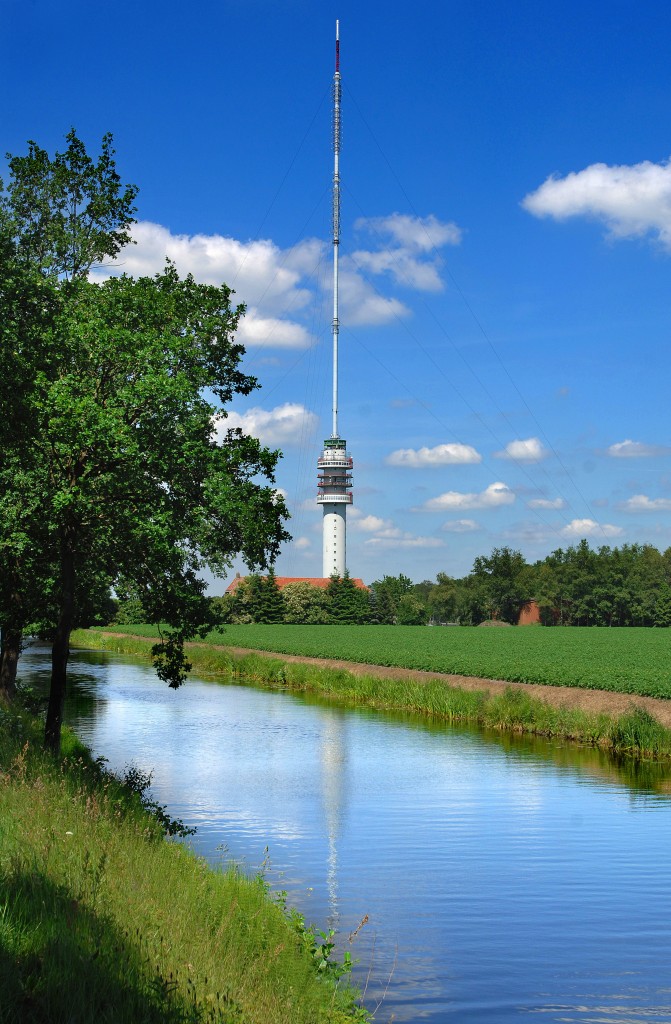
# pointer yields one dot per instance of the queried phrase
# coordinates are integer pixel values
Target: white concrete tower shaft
(335, 464)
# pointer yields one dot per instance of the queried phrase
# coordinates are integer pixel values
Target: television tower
(334, 478)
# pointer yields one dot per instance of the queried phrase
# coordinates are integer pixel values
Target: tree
(346, 603)
(411, 611)
(128, 473)
(272, 606)
(305, 604)
(387, 593)
(504, 584)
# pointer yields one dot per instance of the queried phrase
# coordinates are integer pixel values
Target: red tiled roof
(283, 581)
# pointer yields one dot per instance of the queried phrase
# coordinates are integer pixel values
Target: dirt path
(593, 701)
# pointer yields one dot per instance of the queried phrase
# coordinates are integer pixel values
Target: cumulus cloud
(641, 503)
(635, 449)
(405, 540)
(278, 286)
(549, 503)
(529, 450)
(265, 330)
(631, 200)
(269, 280)
(372, 524)
(420, 234)
(460, 526)
(578, 529)
(441, 455)
(360, 304)
(288, 424)
(493, 496)
(402, 247)
(302, 543)
(387, 534)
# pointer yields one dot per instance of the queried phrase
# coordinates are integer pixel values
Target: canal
(498, 877)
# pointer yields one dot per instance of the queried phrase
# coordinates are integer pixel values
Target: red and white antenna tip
(337, 67)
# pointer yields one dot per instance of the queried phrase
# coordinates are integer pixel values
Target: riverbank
(103, 919)
(636, 725)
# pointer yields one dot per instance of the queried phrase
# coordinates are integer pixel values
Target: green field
(632, 660)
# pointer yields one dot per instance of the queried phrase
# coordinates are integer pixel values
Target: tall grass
(104, 920)
(637, 733)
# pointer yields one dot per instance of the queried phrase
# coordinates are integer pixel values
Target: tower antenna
(336, 221)
(334, 478)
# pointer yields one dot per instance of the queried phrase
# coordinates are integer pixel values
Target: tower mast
(336, 222)
(334, 478)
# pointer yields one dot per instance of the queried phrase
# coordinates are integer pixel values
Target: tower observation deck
(334, 478)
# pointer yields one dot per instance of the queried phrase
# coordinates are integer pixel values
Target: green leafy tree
(443, 598)
(305, 604)
(387, 594)
(411, 611)
(503, 583)
(124, 475)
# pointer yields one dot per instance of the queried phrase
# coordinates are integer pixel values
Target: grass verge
(104, 920)
(637, 733)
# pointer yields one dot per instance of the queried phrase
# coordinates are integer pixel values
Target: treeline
(578, 586)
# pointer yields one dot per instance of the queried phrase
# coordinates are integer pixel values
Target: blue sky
(506, 245)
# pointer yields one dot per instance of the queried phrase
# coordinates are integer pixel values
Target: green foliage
(117, 470)
(386, 595)
(67, 214)
(346, 603)
(305, 604)
(130, 612)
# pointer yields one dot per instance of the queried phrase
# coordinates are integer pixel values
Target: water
(501, 878)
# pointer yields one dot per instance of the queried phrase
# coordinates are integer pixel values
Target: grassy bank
(631, 660)
(635, 733)
(104, 920)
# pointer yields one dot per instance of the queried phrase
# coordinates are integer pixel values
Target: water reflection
(502, 875)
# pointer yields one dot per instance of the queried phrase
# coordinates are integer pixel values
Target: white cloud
(460, 526)
(302, 543)
(269, 280)
(373, 524)
(529, 450)
(360, 304)
(262, 273)
(631, 200)
(641, 503)
(264, 330)
(583, 528)
(402, 265)
(403, 247)
(635, 449)
(386, 534)
(287, 424)
(441, 455)
(493, 496)
(421, 234)
(406, 540)
(549, 503)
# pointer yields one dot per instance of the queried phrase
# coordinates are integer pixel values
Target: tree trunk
(11, 649)
(60, 651)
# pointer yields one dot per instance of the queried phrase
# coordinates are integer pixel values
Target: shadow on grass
(60, 962)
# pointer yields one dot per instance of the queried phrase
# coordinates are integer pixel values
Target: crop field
(632, 660)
